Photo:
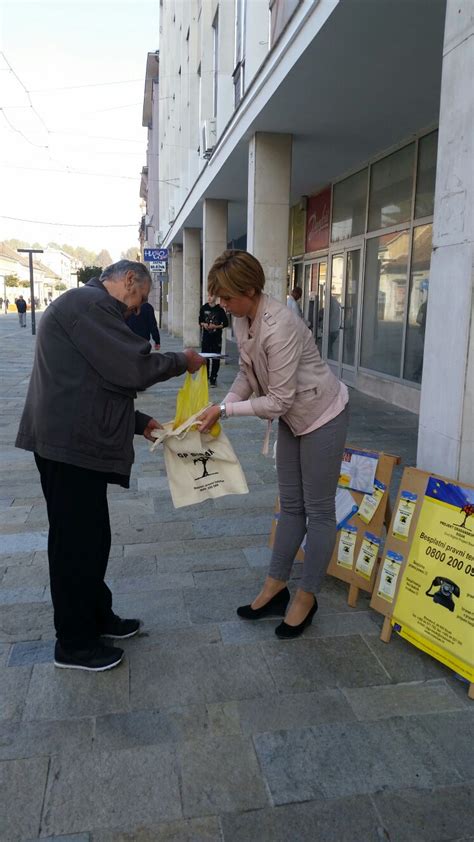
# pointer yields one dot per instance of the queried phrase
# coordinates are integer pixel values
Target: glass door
(340, 327)
(314, 291)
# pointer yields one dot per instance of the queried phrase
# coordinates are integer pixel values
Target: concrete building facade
(333, 140)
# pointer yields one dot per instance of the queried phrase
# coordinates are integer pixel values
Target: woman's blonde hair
(236, 273)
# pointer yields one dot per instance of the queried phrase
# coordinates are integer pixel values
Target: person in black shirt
(144, 324)
(212, 321)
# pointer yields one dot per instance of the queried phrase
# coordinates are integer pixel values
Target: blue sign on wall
(150, 255)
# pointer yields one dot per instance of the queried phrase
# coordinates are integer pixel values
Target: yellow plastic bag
(193, 397)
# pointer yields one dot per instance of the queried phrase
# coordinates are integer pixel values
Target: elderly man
(79, 421)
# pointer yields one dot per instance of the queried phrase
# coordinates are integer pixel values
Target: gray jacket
(88, 367)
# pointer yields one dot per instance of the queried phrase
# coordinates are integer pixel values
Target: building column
(214, 236)
(446, 432)
(175, 268)
(268, 212)
(191, 286)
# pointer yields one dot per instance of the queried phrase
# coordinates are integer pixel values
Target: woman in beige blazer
(282, 376)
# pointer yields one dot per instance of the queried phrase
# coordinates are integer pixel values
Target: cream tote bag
(198, 465)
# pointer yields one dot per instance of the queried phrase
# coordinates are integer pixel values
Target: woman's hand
(208, 418)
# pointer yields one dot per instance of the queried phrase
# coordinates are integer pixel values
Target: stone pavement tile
(259, 497)
(158, 610)
(42, 738)
(66, 694)
(230, 576)
(5, 503)
(26, 576)
(197, 561)
(258, 556)
(149, 727)
(119, 566)
(152, 532)
(74, 837)
(154, 549)
(155, 582)
(460, 687)
(13, 689)
(9, 559)
(326, 625)
(403, 661)
(14, 515)
(279, 711)
(454, 734)
(220, 775)
(24, 542)
(216, 605)
(302, 665)
(443, 814)
(338, 820)
(189, 637)
(338, 760)
(137, 505)
(402, 699)
(26, 622)
(188, 830)
(17, 596)
(4, 653)
(152, 483)
(228, 542)
(119, 789)
(22, 784)
(204, 674)
(233, 525)
(31, 652)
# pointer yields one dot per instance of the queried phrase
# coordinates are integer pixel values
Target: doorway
(340, 325)
(314, 291)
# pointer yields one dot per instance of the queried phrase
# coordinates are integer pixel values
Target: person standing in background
(293, 300)
(212, 321)
(21, 307)
(144, 324)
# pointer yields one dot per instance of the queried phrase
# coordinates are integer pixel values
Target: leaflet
(368, 553)
(346, 507)
(388, 578)
(404, 514)
(346, 546)
(358, 469)
(371, 502)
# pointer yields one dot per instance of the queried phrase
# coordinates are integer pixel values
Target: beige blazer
(281, 367)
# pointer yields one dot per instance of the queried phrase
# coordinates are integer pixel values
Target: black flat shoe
(284, 631)
(275, 607)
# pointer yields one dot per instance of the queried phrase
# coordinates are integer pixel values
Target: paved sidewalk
(212, 729)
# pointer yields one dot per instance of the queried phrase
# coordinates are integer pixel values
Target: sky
(72, 149)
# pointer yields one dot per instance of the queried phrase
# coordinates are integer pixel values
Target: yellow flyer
(371, 502)
(404, 514)
(345, 549)
(369, 550)
(389, 576)
(435, 604)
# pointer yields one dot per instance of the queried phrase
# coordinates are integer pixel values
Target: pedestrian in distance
(21, 307)
(79, 421)
(293, 301)
(144, 324)
(281, 367)
(212, 321)
(7, 304)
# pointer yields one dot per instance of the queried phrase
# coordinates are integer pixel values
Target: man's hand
(157, 347)
(152, 425)
(195, 361)
(208, 418)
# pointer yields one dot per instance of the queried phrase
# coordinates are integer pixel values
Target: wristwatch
(223, 412)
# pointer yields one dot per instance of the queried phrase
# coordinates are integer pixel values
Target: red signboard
(317, 220)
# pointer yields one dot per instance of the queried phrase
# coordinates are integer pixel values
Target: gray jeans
(308, 470)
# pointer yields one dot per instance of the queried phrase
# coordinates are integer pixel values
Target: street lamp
(30, 253)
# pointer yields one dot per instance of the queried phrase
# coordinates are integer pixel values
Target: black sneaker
(213, 383)
(120, 629)
(96, 659)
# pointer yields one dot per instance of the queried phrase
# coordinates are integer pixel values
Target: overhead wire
(67, 224)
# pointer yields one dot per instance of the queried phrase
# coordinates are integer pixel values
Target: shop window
(385, 288)
(418, 301)
(391, 187)
(426, 175)
(349, 203)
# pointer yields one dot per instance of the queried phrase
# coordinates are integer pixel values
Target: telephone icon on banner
(444, 596)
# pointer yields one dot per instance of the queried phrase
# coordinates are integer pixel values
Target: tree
(103, 259)
(132, 253)
(60, 287)
(12, 280)
(88, 272)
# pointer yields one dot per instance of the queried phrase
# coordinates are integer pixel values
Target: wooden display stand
(415, 481)
(380, 520)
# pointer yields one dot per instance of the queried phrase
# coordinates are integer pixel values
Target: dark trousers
(212, 343)
(215, 366)
(78, 550)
